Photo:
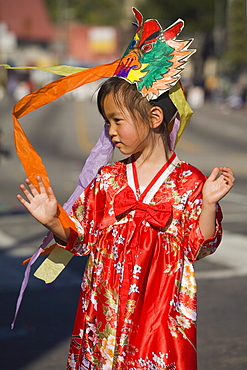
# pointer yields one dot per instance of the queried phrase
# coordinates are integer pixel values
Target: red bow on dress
(157, 215)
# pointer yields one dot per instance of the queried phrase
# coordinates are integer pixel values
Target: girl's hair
(126, 95)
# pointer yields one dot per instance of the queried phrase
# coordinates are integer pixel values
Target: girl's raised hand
(41, 204)
(215, 188)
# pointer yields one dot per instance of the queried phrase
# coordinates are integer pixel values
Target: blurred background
(84, 34)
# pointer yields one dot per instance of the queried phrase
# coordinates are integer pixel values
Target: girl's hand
(41, 204)
(216, 188)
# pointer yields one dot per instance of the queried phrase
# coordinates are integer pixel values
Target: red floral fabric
(137, 307)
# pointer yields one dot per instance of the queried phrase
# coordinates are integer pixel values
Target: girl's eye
(117, 122)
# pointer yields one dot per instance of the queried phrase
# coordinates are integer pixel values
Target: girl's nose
(112, 130)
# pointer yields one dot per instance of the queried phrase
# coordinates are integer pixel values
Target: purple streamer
(47, 239)
(174, 132)
(98, 157)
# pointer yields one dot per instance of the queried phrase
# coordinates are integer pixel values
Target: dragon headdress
(154, 58)
(153, 61)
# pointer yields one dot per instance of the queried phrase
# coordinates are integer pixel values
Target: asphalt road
(63, 133)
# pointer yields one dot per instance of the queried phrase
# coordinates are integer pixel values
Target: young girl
(143, 221)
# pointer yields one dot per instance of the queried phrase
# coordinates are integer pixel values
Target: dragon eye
(146, 48)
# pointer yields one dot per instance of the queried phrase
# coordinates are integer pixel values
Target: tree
(198, 15)
(235, 58)
(96, 12)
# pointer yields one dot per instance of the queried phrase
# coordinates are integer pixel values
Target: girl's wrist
(52, 223)
(209, 205)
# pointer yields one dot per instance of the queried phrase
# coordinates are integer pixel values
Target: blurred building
(26, 31)
(92, 45)
(28, 19)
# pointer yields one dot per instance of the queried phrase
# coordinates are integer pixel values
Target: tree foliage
(198, 15)
(236, 53)
(92, 12)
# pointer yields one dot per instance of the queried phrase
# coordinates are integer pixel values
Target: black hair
(167, 106)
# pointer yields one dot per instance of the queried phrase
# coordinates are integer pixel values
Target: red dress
(137, 307)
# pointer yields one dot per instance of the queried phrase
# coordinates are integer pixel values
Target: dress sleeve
(195, 246)
(87, 214)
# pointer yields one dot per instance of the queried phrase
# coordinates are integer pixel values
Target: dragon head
(154, 58)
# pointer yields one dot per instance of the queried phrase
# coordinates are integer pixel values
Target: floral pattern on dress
(137, 307)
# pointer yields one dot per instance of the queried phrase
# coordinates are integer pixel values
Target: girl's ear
(157, 116)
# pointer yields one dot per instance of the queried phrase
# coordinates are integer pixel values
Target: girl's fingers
(214, 174)
(50, 193)
(23, 201)
(226, 170)
(227, 175)
(32, 188)
(28, 194)
(41, 184)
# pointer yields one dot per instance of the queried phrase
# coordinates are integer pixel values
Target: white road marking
(6, 241)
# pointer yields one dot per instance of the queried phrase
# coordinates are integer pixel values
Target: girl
(143, 221)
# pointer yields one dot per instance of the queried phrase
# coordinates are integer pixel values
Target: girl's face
(122, 129)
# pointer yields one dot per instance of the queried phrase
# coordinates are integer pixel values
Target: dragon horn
(139, 17)
(174, 30)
